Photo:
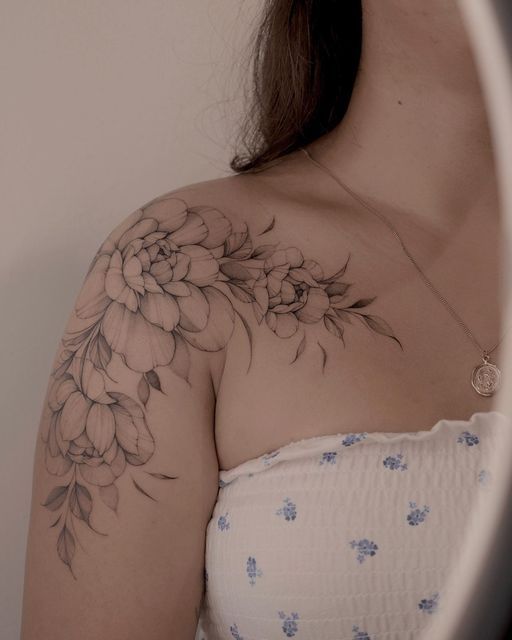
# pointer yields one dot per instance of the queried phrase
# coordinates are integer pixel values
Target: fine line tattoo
(163, 282)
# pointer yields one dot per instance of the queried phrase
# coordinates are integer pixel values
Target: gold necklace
(485, 378)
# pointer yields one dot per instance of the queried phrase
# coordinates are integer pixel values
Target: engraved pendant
(486, 377)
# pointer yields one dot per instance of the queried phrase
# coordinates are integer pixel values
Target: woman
(269, 328)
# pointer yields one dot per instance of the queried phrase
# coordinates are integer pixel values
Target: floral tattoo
(164, 282)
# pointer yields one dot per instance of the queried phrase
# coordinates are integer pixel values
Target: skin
(415, 143)
(417, 112)
(227, 318)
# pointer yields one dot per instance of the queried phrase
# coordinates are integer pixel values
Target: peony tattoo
(165, 282)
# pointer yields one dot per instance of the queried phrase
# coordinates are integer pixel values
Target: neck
(415, 138)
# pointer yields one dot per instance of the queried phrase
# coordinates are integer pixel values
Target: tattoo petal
(180, 268)
(203, 268)
(52, 437)
(60, 390)
(236, 271)
(317, 304)
(194, 309)
(93, 298)
(56, 498)
(140, 229)
(220, 323)
(143, 344)
(284, 325)
(160, 309)
(302, 275)
(169, 212)
(261, 295)
(177, 288)
(193, 230)
(126, 432)
(145, 441)
(314, 269)
(100, 427)
(115, 283)
(92, 382)
(66, 546)
(132, 273)
(57, 465)
(104, 473)
(219, 227)
(74, 415)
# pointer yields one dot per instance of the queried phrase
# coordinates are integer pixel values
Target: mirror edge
(481, 592)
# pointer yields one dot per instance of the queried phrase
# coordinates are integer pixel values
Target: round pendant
(486, 378)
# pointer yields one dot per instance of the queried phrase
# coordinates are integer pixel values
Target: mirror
(481, 606)
(476, 598)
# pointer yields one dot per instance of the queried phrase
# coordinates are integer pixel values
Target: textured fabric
(347, 536)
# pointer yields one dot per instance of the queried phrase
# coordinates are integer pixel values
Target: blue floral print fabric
(349, 536)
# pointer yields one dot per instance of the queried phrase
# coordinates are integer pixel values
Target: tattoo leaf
(380, 326)
(80, 502)
(235, 241)
(269, 228)
(66, 546)
(324, 356)
(338, 302)
(65, 359)
(56, 522)
(161, 476)
(100, 352)
(258, 313)
(240, 293)
(110, 496)
(377, 324)
(335, 326)
(300, 349)
(363, 302)
(78, 338)
(153, 379)
(55, 498)
(249, 337)
(344, 315)
(264, 251)
(139, 488)
(338, 274)
(337, 289)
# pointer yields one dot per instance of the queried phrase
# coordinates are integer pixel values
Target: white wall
(104, 105)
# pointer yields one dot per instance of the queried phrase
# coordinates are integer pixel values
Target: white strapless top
(347, 536)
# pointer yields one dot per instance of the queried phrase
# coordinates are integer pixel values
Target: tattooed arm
(125, 470)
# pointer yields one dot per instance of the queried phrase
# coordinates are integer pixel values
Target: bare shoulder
(240, 198)
(125, 470)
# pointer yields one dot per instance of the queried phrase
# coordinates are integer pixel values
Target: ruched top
(345, 537)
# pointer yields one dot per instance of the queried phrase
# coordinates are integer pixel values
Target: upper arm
(125, 470)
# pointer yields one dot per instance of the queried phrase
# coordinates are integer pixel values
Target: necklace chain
(450, 309)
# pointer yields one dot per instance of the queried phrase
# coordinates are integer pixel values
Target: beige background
(105, 105)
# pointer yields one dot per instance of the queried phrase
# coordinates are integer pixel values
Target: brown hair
(304, 59)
